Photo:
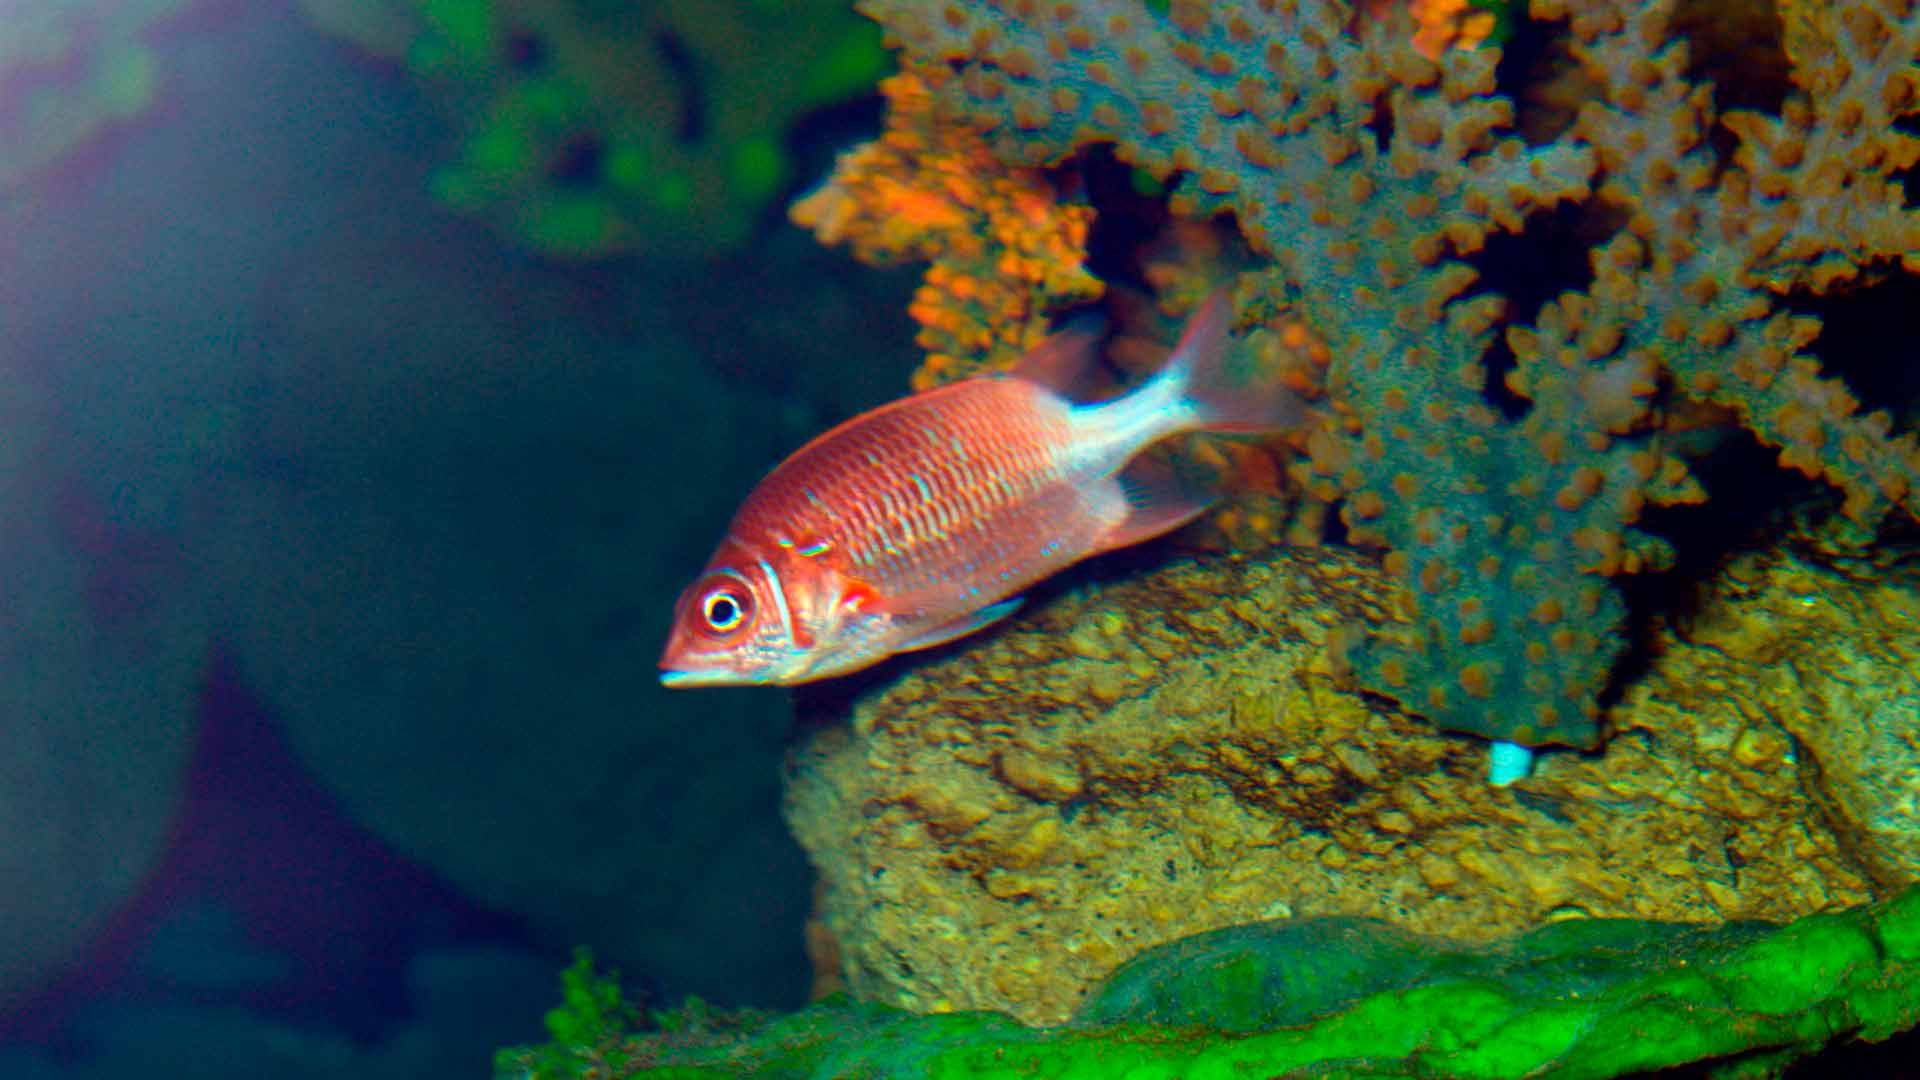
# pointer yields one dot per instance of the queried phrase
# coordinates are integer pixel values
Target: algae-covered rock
(1584, 998)
(1834, 656)
(1141, 761)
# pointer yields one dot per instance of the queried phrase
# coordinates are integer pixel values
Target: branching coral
(1441, 25)
(1006, 249)
(1369, 175)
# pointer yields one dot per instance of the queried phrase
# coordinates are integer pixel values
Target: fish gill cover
(1503, 458)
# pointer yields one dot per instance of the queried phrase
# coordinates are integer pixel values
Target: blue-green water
(338, 538)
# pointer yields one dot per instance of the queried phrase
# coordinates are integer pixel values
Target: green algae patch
(1576, 999)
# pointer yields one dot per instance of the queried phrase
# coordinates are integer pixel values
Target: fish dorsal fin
(962, 626)
(1064, 363)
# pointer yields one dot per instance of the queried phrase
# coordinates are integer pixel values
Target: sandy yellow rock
(1040, 775)
(1393, 821)
(1089, 642)
(1033, 844)
(1439, 874)
(1216, 771)
(1009, 885)
(945, 810)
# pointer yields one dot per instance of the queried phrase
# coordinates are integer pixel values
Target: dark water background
(338, 537)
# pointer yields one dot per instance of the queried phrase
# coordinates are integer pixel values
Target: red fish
(920, 521)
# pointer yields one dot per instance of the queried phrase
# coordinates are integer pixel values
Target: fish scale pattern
(1367, 174)
(962, 491)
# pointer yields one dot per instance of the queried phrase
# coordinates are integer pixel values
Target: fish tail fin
(1214, 395)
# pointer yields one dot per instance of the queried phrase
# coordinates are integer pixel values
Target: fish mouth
(680, 679)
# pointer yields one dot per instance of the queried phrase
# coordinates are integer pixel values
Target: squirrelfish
(921, 520)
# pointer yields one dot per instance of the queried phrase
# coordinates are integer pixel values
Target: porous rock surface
(1146, 759)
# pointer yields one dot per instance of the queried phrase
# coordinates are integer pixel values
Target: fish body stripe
(942, 496)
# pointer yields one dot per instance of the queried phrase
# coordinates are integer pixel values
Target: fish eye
(724, 610)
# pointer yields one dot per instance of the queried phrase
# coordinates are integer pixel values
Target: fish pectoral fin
(962, 626)
(860, 598)
(1156, 502)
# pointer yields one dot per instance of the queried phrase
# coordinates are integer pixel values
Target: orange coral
(1448, 24)
(1438, 25)
(1007, 250)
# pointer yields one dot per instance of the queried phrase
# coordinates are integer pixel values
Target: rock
(1834, 658)
(1225, 773)
(1338, 997)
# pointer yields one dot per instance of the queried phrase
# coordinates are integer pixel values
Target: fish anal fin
(962, 626)
(1156, 502)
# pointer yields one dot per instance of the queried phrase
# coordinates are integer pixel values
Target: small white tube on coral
(1508, 762)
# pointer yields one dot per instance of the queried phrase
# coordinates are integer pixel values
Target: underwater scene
(959, 538)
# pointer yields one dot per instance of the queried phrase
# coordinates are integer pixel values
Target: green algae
(614, 127)
(587, 1027)
(1577, 999)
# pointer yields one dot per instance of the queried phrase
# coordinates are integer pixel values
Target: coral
(70, 71)
(598, 127)
(1141, 761)
(1006, 249)
(1367, 176)
(1440, 25)
(1449, 24)
(1587, 998)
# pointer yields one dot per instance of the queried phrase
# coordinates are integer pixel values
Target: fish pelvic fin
(1215, 392)
(962, 626)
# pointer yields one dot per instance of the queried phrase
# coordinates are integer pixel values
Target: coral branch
(1367, 173)
(1006, 250)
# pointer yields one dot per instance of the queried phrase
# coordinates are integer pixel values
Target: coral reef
(1588, 998)
(1369, 176)
(594, 128)
(1135, 763)
(1006, 249)
(1450, 24)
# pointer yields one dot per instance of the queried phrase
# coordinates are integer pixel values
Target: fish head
(778, 620)
(731, 628)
